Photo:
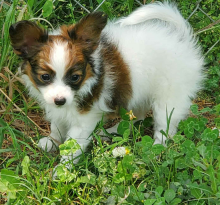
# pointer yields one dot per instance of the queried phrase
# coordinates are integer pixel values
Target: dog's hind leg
(162, 111)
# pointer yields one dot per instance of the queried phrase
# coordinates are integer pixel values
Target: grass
(185, 172)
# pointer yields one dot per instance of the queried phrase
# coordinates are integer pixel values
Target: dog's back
(164, 60)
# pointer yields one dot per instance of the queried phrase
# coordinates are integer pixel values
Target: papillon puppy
(148, 60)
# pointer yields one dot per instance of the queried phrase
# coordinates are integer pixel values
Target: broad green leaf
(196, 192)
(194, 109)
(187, 146)
(89, 179)
(197, 175)
(9, 183)
(147, 141)
(169, 195)
(218, 194)
(124, 114)
(202, 149)
(142, 187)
(149, 201)
(207, 109)
(210, 135)
(10, 176)
(47, 8)
(127, 162)
(118, 178)
(157, 149)
(217, 122)
(196, 163)
(139, 196)
(64, 174)
(69, 147)
(213, 179)
(25, 165)
(3, 123)
(3, 186)
(217, 108)
(117, 139)
(189, 131)
(158, 191)
(30, 3)
(123, 126)
(160, 201)
(175, 201)
(180, 163)
(126, 134)
(178, 138)
(111, 200)
(212, 152)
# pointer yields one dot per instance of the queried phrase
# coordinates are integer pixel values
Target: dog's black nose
(60, 101)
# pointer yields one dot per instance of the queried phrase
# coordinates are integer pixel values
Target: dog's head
(58, 65)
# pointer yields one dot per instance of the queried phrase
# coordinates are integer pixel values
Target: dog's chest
(67, 115)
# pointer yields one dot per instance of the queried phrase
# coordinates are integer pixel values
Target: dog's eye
(75, 78)
(45, 77)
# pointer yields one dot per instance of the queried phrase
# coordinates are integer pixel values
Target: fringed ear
(87, 31)
(26, 38)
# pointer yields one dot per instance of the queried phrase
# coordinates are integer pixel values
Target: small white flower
(119, 152)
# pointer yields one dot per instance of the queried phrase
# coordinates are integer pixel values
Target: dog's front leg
(82, 134)
(83, 138)
(57, 136)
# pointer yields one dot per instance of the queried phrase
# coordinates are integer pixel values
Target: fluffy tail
(163, 11)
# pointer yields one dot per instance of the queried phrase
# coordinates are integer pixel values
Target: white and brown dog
(148, 60)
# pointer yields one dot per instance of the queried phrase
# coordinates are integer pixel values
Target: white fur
(58, 58)
(165, 66)
(87, 87)
(57, 90)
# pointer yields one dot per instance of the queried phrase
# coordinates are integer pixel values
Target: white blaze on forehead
(58, 58)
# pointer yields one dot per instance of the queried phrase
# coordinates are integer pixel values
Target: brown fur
(26, 67)
(26, 38)
(114, 63)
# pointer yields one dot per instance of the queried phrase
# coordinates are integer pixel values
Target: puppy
(148, 60)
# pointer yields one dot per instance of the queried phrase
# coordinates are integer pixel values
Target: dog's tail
(167, 12)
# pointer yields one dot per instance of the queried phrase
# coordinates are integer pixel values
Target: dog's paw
(47, 144)
(159, 138)
(158, 141)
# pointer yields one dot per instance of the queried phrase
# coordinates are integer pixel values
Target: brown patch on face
(65, 30)
(26, 67)
(88, 75)
(114, 64)
(35, 71)
(74, 56)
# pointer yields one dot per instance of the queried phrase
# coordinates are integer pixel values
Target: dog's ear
(87, 31)
(26, 38)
